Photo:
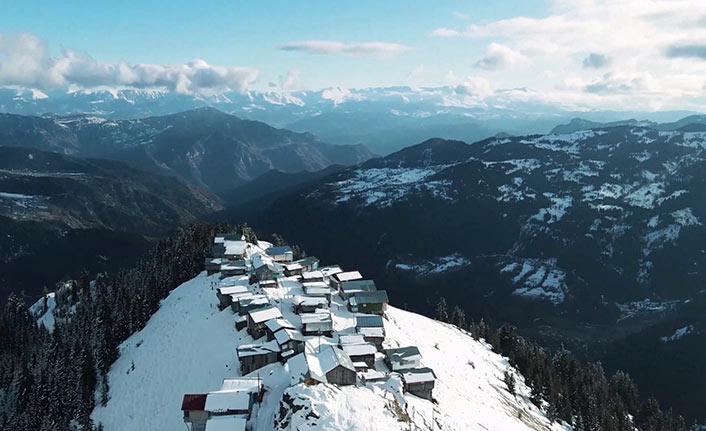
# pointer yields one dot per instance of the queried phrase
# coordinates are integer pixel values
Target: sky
(603, 54)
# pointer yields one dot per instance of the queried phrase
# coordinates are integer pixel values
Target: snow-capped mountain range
(384, 119)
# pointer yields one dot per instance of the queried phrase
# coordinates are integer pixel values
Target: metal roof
(277, 250)
(403, 353)
(358, 285)
(376, 297)
(194, 402)
(368, 321)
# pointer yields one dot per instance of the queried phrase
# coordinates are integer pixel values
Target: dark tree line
(50, 381)
(567, 390)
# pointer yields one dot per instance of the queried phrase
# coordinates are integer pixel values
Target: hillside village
(326, 325)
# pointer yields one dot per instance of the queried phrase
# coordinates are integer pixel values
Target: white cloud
(367, 49)
(24, 61)
(639, 46)
(287, 82)
(498, 56)
(474, 87)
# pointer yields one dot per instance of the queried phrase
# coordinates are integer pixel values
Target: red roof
(194, 402)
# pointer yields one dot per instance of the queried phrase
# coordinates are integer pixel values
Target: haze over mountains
(385, 119)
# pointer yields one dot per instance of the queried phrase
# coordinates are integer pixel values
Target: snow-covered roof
(293, 267)
(242, 384)
(326, 360)
(298, 368)
(317, 290)
(233, 281)
(235, 247)
(312, 275)
(359, 349)
(418, 375)
(347, 276)
(316, 284)
(233, 265)
(246, 350)
(350, 339)
(371, 332)
(320, 316)
(227, 423)
(330, 270)
(223, 401)
(264, 314)
(275, 325)
(406, 353)
(310, 300)
(309, 260)
(233, 289)
(288, 335)
(246, 300)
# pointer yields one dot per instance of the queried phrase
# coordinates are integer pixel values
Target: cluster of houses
(311, 350)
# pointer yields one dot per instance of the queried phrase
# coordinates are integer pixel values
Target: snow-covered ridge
(189, 346)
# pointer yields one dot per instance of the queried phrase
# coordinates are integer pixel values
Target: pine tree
(442, 314)
(510, 382)
(458, 318)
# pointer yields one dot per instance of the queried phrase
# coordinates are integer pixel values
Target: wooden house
(309, 304)
(225, 297)
(341, 277)
(266, 271)
(403, 358)
(233, 267)
(281, 253)
(372, 329)
(227, 423)
(246, 305)
(329, 271)
(267, 284)
(228, 403)
(194, 408)
(361, 352)
(318, 323)
(235, 299)
(255, 356)
(313, 277)
(240, 322)
(349, 288)
(275, 325)
(331, 365)
(319, 289)
(309, 263)
(419, 382)
(235, 249)
(368, 302)
(292, 269)
(257, 319)
(213, 265)
(291, 342)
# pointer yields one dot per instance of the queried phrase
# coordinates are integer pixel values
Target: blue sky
(248, 33)
(606, 54)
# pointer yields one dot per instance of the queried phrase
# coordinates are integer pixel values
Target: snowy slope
(188, 346)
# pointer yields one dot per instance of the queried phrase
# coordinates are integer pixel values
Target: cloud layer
(615, 54)
(24, 61)
(367, 49)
